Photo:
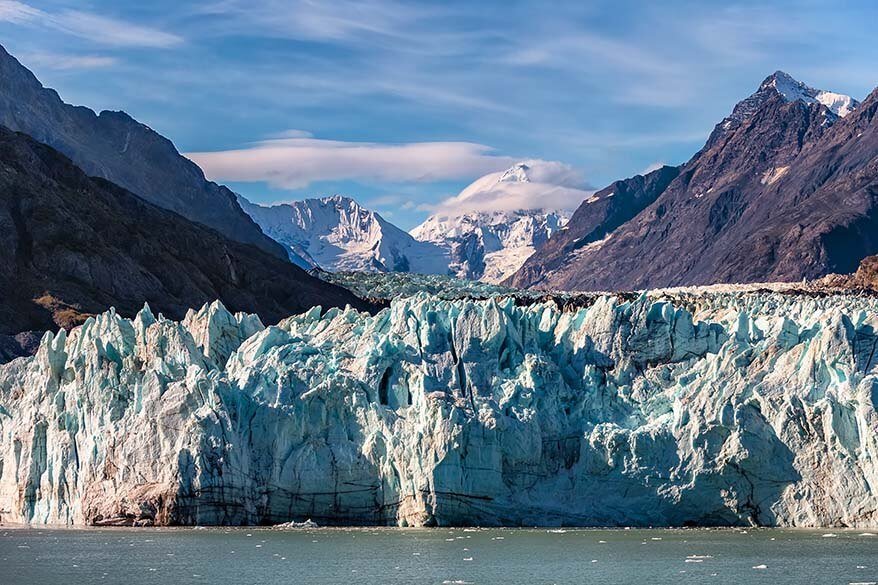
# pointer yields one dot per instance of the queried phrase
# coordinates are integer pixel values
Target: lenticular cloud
(528, 185)
(297, 161)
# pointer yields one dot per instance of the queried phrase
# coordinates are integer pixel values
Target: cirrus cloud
(87, 25)
(67, 62)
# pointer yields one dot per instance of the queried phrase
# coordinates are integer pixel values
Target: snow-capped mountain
(782, 190)
(790, 90)
(793, 90)
(491, 244)
(490, 237)
(337, 234)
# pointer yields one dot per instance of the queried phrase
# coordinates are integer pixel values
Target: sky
(403, 104)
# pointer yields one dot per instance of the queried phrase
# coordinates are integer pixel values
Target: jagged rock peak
(517, 173)
(791, 90)
(337, 200)
(336, 233)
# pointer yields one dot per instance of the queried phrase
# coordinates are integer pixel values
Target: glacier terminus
(667, 408)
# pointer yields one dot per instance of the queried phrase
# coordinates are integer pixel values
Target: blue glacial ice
(699, 408)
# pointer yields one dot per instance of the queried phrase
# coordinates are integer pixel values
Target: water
(438, 556)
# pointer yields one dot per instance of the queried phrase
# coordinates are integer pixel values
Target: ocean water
(435, 556)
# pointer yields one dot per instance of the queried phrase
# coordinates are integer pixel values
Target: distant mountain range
(337, 234)
(785, 188)
(100, 211)
(489, 240)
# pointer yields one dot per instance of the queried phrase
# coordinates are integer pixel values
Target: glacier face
(663, 409)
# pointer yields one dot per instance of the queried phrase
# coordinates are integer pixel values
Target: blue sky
(402, 104)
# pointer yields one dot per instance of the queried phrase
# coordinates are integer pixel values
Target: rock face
(74, 245)
(116, 147)
(597, 217)
(706, 408)
(338, 234)
(785, 188)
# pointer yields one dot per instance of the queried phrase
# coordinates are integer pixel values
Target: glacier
(665, 408)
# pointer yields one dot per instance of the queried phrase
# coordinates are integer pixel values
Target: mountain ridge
(114, 146)
(753, 205)
(492, 226)
(77, 245)
(337, 233)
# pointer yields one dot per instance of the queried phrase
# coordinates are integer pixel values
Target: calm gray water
(438, 556)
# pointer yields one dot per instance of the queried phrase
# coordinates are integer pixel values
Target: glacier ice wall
(705, 409)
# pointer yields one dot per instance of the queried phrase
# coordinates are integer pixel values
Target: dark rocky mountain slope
(75, 245)
(598, 216)
(114, 146)
(785, 189)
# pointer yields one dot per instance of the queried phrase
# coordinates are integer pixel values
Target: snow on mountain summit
(337, 234)
(838, 105)
(490, 245)
(793, 90)
(516, 174)
(499, 220)
(486, 232)
(527, 185)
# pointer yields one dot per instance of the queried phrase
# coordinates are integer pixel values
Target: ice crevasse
(720, 408)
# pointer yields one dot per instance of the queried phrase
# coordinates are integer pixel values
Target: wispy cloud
(17, 12)
(294, 163)
(89, 26)
(609, 86)
(342, 20)
(67, 62)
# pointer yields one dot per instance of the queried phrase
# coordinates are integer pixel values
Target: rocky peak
(336, 233)
(515, 174)
(792, 90)
(339, 201)
(789, 90)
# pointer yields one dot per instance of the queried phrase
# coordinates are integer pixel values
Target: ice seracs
(669, 408)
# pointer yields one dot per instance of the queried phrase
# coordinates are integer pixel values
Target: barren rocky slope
(75, 245)
(785, 188)
(114, 146)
